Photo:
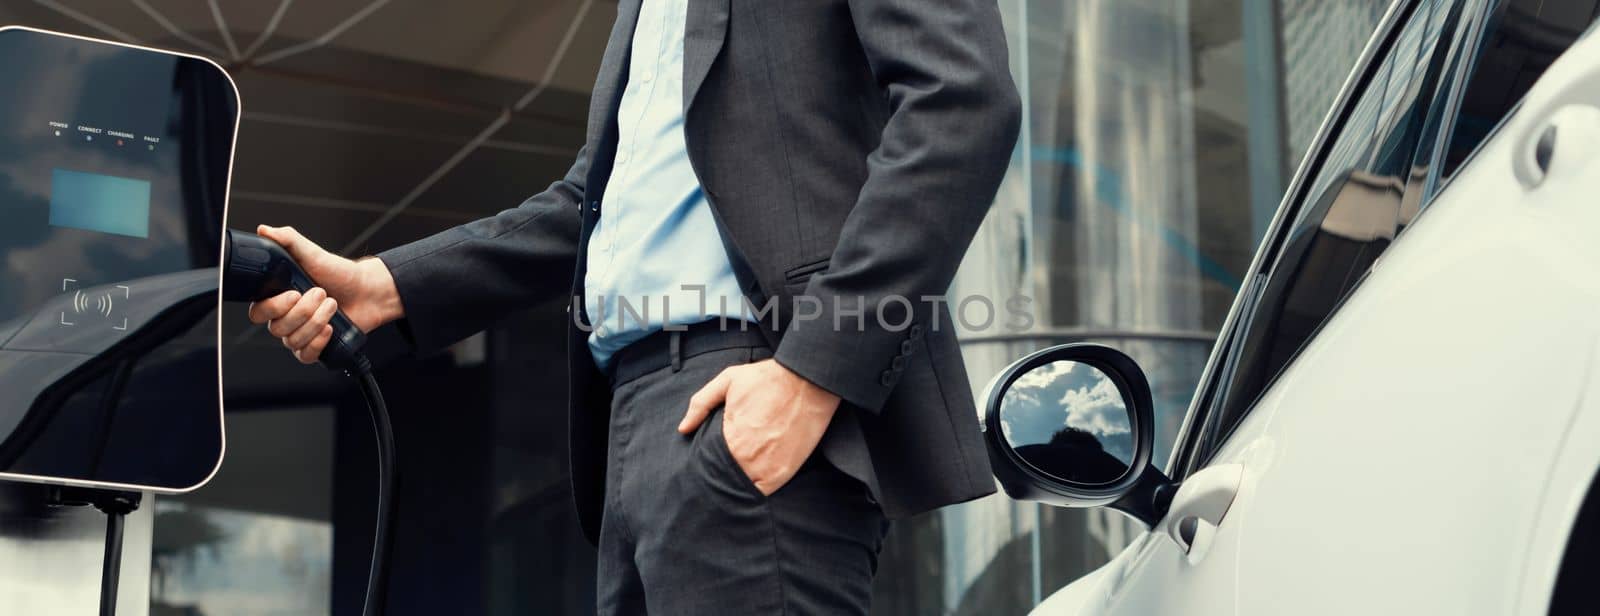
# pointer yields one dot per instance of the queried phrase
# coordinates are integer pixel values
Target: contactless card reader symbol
(102, 303)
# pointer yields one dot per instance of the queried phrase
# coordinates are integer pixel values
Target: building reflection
(1133, 205)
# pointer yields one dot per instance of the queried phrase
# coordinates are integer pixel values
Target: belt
(664, 349)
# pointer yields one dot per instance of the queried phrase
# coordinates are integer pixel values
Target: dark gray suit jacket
(849, 149)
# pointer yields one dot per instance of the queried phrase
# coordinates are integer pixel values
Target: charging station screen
(103, 203)
(114, 167)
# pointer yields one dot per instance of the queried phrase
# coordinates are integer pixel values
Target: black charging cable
(255, 269)
(388, 484)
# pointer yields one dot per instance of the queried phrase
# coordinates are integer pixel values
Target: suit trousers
(685, 531)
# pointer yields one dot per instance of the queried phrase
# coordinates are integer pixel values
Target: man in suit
(757, 235)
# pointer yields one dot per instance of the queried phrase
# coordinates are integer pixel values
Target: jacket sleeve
(461, 280)
(953, 122)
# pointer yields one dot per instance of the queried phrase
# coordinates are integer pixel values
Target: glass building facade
(1158, 137)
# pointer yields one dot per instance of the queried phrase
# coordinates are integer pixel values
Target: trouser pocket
(717, 466)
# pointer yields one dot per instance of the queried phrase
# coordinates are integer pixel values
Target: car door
(1404, 124)
(1401, 467)
(1348, 202)
(1367, 452)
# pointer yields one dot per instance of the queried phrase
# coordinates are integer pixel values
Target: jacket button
(887, 378)
(594, 206)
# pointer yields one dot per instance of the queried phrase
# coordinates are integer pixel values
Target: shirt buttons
(646, 76)
(622, 156)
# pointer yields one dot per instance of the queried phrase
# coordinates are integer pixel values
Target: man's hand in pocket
(772, 419)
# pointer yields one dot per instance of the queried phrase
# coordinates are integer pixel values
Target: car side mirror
(1073, 426)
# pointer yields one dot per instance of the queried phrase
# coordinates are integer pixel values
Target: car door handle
(1205, 496)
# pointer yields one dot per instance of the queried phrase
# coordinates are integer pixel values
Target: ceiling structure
(370, 123)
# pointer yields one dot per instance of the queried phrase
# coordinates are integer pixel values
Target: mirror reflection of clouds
(1097, 409)
(1064, 394)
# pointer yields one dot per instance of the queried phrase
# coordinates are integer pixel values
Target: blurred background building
(1159, 135)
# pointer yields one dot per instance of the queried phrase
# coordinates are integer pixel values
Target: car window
(1522, 39)
(1370, 184)
(1365, 190)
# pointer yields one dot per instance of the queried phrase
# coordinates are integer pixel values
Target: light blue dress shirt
(656, 233)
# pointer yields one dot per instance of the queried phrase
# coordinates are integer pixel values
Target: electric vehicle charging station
(113, 186)
(115, 163)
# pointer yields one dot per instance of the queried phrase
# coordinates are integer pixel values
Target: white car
(1402, 412)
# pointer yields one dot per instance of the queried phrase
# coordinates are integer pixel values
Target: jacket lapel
(706, 28)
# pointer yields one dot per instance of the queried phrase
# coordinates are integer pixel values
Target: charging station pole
(50, 557)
